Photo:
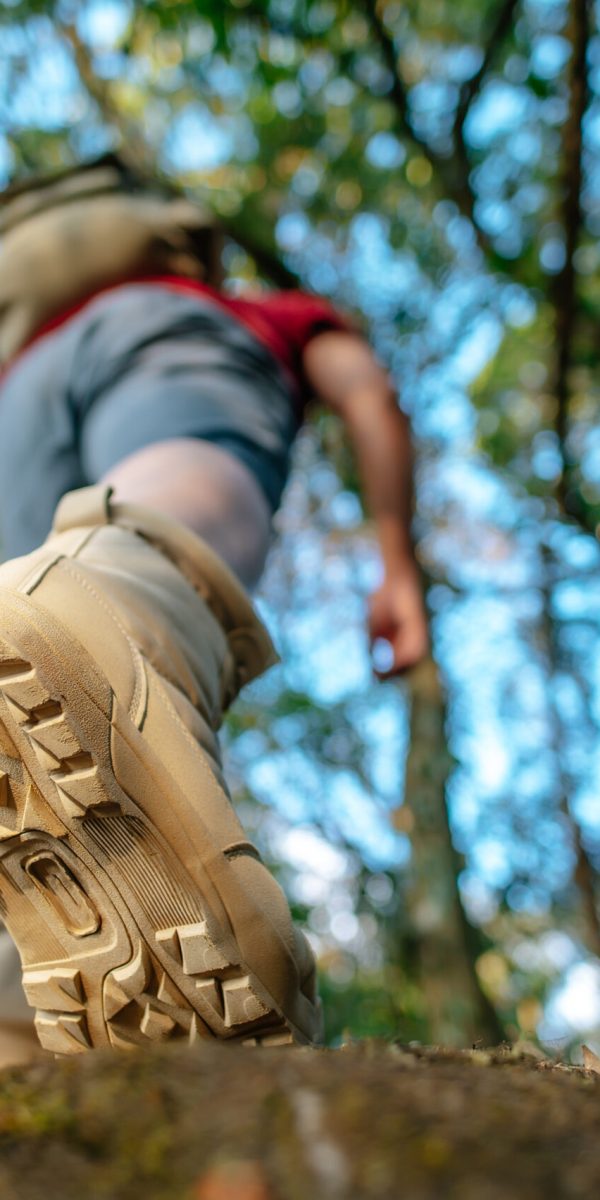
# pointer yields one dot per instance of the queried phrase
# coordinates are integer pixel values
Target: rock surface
(368, 1122)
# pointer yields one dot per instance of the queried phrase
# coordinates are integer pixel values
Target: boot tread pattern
(139, 1000)
(142, 1002)
(41, 718)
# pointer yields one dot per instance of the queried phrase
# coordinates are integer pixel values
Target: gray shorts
(137, 365)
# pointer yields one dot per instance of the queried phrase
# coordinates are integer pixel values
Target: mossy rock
(371, 1121)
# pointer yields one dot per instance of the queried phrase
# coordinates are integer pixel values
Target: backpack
(65, 237)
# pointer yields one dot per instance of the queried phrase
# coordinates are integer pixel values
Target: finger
(380, 627)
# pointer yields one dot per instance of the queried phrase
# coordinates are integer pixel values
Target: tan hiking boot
(139, 909)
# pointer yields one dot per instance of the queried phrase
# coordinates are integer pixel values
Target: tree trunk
(459, 1013)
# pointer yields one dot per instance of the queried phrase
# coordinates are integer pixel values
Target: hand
(397, 614)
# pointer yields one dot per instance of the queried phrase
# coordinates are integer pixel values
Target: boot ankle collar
(249, 641)
(86, 506)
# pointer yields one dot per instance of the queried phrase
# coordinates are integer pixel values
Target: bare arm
(345, 375)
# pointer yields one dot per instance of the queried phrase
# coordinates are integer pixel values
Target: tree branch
(565, 301)
(585, 876)
(263, 253)
(471, 89)
(137, 153)
(455, 182)
(135, 150)
(565, 298)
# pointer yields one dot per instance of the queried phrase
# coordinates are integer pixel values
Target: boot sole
(121, 945)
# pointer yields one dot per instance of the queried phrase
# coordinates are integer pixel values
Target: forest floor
(374, 1121)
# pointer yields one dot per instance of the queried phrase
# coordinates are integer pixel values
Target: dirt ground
(371, 1121)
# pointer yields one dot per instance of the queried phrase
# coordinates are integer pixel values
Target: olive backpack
(64, 237)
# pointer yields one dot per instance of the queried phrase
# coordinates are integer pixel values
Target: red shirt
(283, 321)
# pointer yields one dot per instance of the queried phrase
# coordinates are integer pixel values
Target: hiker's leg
(39, 462)
(39, 455)
(141, 911)
(208, 490)
(196, 426)
(125, 375)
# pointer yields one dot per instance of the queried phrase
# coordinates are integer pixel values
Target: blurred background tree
(432, 167)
